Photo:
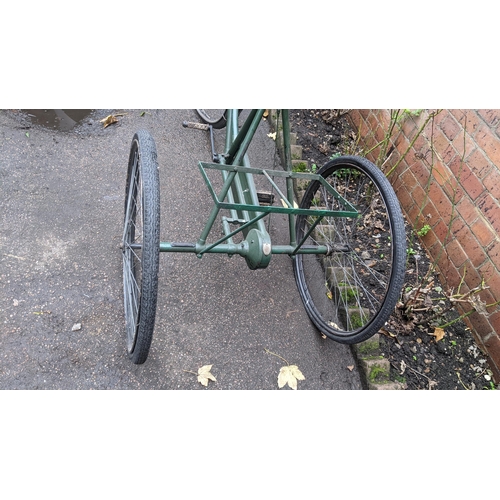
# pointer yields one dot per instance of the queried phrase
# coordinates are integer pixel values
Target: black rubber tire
(214, 117)
(142, 229)
(350, 294)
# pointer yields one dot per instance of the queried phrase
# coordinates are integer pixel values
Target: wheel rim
(132, 252)
(213, 115)
(346, 292)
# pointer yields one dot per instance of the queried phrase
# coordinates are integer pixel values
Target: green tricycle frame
(347, 291)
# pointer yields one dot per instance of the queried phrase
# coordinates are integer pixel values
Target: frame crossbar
(349, 209)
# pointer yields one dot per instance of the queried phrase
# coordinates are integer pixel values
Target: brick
(472, 277)
(409, 180)
(430, 239)
(490, 208)
(442, 145)
(470, 120)
(442, 116)
(494, 254)
(405, 199)
(413, 215)
(459, 115)
(449, 125)
(453, 190)
(409, 129)
(473, 249)
(491, 276)
(441, 172)
(495, 321)
(380, 132)
(355, 116)
(492, 280)
(492, 183)
(459, 227)
(430, 213)
(492, 344)
(418, 195)
(423, 147)
(456, 165)
(479, 163)
(464, 144)
(441, 201)
(441, 230)
(490, 116)
(481, 326)
(450, 274)
(364, 112)
(487, 297)
(456, 253)
(467, 210)
(411, 158)
(421, 173)
(364, 132)
(402, 144)
(489, 143)
(470, 182)
(483, 232)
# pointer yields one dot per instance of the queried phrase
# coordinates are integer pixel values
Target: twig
(277, 355)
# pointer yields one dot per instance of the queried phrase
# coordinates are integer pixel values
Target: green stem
(417, 135)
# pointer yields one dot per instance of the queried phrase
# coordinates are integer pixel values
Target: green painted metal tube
(239, 248)
(288, 166)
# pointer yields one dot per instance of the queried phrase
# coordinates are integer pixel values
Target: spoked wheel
(350, 293)
(140, 246)
(214, 117)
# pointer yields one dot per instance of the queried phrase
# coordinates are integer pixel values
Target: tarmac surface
(61, 307)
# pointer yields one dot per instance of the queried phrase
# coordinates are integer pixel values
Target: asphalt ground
(61, 213)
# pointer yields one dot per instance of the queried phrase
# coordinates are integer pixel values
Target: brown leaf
(438, 333)
(110, 119)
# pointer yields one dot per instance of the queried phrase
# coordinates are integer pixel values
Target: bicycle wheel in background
(350, 293)
(140, 245)
(214, 117)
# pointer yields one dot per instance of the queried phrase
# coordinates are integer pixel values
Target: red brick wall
(450, 178)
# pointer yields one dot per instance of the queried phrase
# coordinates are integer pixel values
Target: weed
(424, 230)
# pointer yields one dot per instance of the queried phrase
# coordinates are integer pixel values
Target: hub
(259, 247)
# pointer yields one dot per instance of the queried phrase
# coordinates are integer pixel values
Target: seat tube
(288, 165)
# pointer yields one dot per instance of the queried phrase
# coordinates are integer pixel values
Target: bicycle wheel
(214, 117)
(140, 246)
(350, 293)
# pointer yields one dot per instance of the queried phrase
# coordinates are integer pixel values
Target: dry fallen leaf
(109, 120)
(289, 375)
(204, 375)
(350, 368)
(272, 136)
(438, 333)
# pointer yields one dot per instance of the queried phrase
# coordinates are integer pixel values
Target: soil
(411, 341)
